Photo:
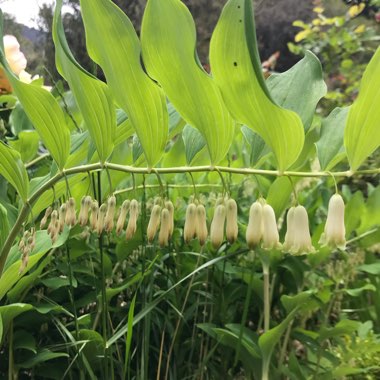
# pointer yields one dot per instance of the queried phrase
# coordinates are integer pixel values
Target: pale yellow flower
(14, 56)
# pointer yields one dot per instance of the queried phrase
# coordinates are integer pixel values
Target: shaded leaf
(193, 141)
(300, 88)
(330, 146)
(256, 143)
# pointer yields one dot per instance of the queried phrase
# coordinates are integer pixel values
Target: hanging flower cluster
(262, 230)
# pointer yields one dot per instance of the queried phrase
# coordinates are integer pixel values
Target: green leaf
(330, 145)
(256, 143)
(24, 340)
(362, 134)
(268, 340)
(13, 170)
(353, 212)
(370, 268)
(94, 345)
(9, 312)
(237, 70)
(300, 88)
(4, 225)
(193, 141)
(358, 291)
(41, 357)
(27, 145)
(1, 328)
(172, 61)
(92, 95)
(343, 327)
(112, 43)
(370, 215)
(279, 194)
(292, 302)
(43, 111)
(12, 266)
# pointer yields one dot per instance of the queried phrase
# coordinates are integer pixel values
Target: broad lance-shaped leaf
(112, 43)
(13, 170)
(237, 70)
(300, 88)
(168, 39)
(362, 133)
(92, 95)
(43, 110)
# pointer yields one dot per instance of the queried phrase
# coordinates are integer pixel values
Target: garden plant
(170, 223)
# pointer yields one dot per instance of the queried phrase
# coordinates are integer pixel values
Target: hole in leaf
(235, 64)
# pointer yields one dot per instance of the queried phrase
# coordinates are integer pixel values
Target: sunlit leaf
(193, 141)
(172, 62)
(92, 95)
(362, 133)
(236, 67)
(112, 43)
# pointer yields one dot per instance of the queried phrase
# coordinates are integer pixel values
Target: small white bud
(124, 209)
(201, 225)
(163, 236)
(110, 215)
(154, 223)
(132, 222)
(94, 215)
(101, 217)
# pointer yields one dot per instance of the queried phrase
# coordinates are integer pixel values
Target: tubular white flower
(300, 230)
(14, 56)
(254, 231)
(335, 231)
(270, 232)
(290, 230)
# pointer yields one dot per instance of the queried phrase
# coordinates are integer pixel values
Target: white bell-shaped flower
(289, 236)
(334, 234)
(301, 234)
(271, 238)
(254, 231)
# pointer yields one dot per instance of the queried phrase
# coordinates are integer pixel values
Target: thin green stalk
(266, 295)
(130, 169)
(10, 353)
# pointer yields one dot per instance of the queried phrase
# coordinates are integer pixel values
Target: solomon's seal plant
(111, 212)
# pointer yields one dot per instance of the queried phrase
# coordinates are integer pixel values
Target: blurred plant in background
(344, 44)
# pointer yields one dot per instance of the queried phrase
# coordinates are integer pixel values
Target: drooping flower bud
(124, 209)
(254, 231)
(132, 222)
(62, 216)
(52, 224)
(335, 231)
(290, 230)
(270, 232)
(48, 212)
(84, 210)
(301, 233)
(201, 224)
(231, 221)
(154, 223)
(101, 218)
(217, 226)
(163, 236)
(110, 215)
(94, 215)
(14, 56)
(169, 205)
(189, 228)
(71, 219)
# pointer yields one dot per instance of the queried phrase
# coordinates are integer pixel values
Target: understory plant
(173, 224)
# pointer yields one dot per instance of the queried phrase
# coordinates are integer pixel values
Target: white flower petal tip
(334, 235)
